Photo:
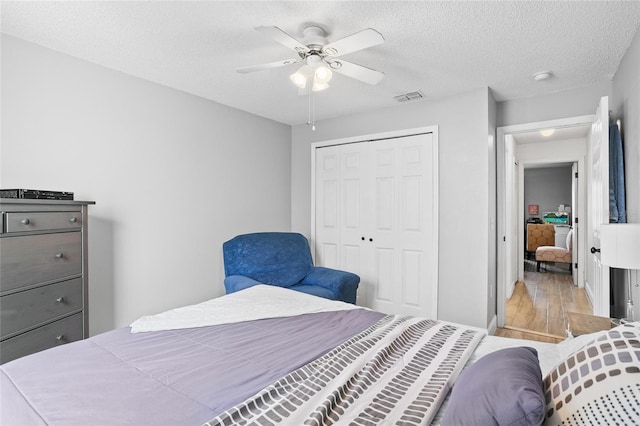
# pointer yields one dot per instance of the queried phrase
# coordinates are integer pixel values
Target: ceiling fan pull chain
(313, 112)
(309, 109)
(311, 120)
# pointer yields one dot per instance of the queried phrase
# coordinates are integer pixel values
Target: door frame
(507, 239)
(580, 213)
(435, 196)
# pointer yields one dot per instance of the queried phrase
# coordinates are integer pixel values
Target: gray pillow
(501, 388)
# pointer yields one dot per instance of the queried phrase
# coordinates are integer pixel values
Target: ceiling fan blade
(354, 71)
(283, 38)
(270, 65)
(358, 41)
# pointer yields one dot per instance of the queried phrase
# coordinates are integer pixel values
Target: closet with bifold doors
(375, 214)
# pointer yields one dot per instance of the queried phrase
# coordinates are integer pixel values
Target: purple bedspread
(180, 377)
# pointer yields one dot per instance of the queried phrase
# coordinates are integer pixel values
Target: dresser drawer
(25, 309)
(41, 221)
(32, 259)
(57, 333)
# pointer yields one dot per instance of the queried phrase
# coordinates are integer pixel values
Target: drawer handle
(73, 220)
(25, 221)
(59, 255)
(60, 300)
(60, 337)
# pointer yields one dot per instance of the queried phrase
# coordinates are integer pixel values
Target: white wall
(464, 186)
(570, 103)
(625, 105)
(173, 175)
(552, 151)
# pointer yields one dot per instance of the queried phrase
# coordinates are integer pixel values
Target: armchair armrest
(343, 284)
(235, 283)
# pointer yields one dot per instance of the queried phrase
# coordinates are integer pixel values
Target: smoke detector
(542, 75)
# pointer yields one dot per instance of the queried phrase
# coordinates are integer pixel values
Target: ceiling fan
(320, 58)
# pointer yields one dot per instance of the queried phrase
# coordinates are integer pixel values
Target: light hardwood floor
(538, 308)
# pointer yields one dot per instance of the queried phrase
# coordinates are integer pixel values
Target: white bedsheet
(254, 303)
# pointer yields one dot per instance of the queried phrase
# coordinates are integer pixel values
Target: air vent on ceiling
(411, 96)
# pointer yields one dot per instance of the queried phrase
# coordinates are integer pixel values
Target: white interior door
(598, 288)
(511, 216)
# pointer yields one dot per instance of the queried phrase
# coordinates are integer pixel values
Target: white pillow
(599, 383)
(572, 344)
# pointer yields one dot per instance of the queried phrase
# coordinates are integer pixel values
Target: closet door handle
(594, 250)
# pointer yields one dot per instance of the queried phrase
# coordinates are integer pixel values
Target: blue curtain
(617, 209)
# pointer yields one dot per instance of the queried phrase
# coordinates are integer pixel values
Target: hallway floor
(538, 308)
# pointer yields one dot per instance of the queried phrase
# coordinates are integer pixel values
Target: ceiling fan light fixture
(322, 74)
(300, 77)
(318, 73)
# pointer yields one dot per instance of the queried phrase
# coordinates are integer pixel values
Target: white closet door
(355, 174)
(327, 205)
(341, 173)
(375, 217)
(402, 227)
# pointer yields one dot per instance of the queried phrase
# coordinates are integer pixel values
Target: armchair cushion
(556, 254)
(553, 254)
(275, 258)
(343, 284)
(316, 290)
(235, 283)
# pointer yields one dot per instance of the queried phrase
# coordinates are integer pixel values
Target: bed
(268, 355)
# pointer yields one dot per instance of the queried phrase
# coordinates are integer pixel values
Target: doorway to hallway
(523, 146)
(539, 306)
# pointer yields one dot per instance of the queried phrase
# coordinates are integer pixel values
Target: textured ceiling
(440, 48)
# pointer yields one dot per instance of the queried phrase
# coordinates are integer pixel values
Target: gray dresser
(43, 275)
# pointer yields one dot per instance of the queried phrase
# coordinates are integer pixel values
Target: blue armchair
(283, 259)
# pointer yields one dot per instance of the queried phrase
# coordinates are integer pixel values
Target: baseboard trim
(587, 289)
(492, 326)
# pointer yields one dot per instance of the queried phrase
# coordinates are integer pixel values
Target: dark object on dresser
(35, 194)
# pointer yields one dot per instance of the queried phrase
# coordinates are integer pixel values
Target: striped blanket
(397, 371)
